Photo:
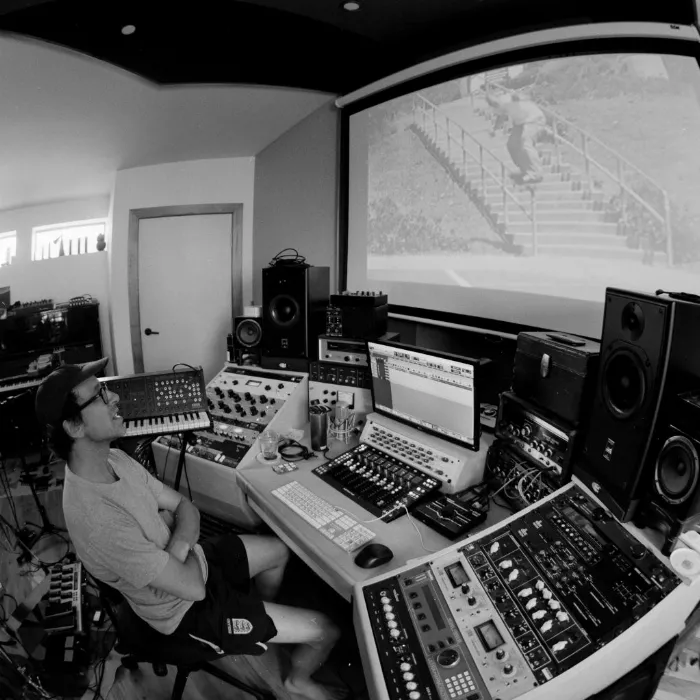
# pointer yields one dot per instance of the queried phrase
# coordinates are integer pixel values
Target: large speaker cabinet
(649, 354)
(294, 309)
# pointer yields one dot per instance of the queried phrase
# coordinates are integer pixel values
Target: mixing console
(515, 608)
(381, 484)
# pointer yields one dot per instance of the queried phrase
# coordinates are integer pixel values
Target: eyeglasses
(102, 393)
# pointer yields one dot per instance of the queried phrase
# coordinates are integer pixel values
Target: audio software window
(429, 391)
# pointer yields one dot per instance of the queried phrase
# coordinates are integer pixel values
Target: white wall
(296, 188)
(58, 278)
(216, 181)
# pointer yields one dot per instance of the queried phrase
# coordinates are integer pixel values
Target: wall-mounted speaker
(294, 309)
(648, 355)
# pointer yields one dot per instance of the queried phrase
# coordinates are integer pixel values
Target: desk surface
(324, 557)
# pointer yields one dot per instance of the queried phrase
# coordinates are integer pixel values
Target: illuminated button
(546, 594)
(408, 676)
(392, 624)
(395, 633)
(494, 548)
(560, 645)
(405, 667)
(384, 600)
(525, 593)
(532, 603)
(507, 564)
(513, 574)
(411, 686)
(539, 614)
(562, 617)
(554, 604)
(547, 626)
(390, 616)
(387, 608)
(414, 695)
(539, 585)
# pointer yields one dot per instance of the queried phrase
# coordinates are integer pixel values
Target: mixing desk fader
(517, 608)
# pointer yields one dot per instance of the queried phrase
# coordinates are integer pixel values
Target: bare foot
(309, 690)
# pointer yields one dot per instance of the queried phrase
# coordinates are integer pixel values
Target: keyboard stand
(187, 438)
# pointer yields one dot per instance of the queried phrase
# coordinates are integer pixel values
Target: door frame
(135, 217)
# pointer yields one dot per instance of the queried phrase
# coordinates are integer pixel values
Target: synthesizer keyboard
(335, 524)
(18, 383)
(158, 403)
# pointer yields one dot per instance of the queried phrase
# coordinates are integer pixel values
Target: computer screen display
(432, 391)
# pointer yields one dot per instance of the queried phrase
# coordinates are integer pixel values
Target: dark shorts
(230, 616)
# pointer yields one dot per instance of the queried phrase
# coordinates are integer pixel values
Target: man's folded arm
(181, 579)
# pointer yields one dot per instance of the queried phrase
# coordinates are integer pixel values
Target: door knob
(148, 331)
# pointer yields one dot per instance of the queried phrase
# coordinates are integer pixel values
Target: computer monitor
(432, 391)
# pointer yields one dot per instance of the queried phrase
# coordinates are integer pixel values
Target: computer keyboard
(336, 525)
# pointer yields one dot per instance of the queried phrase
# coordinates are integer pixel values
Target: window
(8, 247)
(74, 238)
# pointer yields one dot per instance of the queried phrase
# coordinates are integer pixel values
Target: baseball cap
(53, 391)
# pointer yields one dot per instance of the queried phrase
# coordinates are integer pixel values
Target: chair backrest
(139, 639)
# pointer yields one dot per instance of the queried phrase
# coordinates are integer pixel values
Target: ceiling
(219, 78)
(311, 44)
(68, 122)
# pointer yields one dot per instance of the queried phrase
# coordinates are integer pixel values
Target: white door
(185, 291)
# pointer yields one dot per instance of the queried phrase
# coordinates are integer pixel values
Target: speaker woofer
(285, 310)
(677, 468)
(624, 383)
(249, 333)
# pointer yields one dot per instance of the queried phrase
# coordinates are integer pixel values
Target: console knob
(509, 669)
(280, 386)
(465, 588)
(471, 600)
(638, 551)
(501, 654)
(268, 387)
(448, 658)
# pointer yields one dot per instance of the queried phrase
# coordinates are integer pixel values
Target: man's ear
(74, 428)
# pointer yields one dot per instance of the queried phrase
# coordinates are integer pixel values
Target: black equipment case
(556, 371)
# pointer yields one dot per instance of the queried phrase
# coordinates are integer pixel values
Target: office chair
(139, 642)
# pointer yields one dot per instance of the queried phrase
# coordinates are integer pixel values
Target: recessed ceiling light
(351, 5)
(128, 29)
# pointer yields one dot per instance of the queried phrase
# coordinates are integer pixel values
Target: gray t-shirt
(120, 537)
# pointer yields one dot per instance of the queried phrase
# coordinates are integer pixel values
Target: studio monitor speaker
(649, 353)
(247, 340)
(671, 500)
(294, 309)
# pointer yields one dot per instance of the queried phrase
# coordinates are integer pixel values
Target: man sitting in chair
(111, 505)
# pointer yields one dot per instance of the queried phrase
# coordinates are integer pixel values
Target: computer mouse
(373, 554)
